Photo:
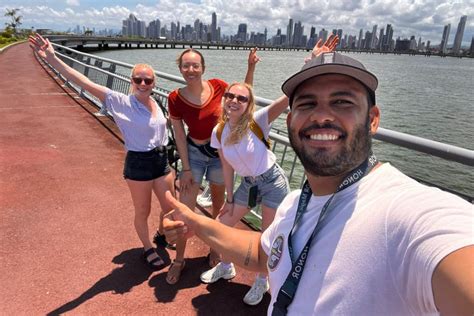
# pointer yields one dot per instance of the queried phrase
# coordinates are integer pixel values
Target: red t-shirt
(199, 119)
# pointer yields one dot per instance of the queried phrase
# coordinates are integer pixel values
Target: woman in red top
(198, 105)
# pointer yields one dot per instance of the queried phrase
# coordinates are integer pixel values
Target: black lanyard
(288, 289)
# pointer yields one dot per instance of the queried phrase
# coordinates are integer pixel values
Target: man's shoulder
(406, 199)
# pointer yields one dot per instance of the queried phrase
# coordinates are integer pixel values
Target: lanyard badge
(288, 289)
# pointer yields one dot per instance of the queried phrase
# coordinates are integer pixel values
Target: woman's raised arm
(46, 51)
(280, 104)
(252, 62)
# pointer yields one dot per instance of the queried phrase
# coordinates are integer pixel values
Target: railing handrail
(416, 143)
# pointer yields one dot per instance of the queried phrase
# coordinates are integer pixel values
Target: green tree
(15, 19)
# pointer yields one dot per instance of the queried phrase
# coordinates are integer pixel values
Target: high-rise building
(388, 39)
(154, 29)
(323, 35)
(368, 40)
(133, 27)
(471, 51)
(174, 31)
(339, 33)
(298, 35)
(459, 35)
(289, 32)
(242, 33)
(359, 42)
(381, 38)
(214, 28)
(373, 39)
(444, 39)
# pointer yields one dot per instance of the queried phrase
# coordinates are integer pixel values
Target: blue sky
(425, 18)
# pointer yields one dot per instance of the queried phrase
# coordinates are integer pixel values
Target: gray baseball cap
(332, 63)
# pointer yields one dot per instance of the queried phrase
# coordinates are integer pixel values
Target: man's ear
(374, 115)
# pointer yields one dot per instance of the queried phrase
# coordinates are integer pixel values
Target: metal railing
(116, 76)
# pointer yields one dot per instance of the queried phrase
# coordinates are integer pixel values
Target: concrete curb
(10, 45)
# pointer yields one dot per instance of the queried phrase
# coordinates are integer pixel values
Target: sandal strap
(152, 261)
(149, 252)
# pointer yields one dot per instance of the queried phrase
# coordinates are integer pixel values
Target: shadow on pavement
(224, 297)
(132, 272)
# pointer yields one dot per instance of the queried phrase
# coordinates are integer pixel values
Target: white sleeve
(214, 141)
(261, 117)
(286, 207)
(419, 239)
(114, 100)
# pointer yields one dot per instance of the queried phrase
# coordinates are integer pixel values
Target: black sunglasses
(240, 98)
(138, 80)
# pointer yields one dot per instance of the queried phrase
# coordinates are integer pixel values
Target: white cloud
(425, 18)
(74, 3)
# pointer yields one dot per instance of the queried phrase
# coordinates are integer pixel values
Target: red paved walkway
(67, 243)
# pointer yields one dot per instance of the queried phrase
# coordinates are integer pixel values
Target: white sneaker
(255, 294)
(218, 272)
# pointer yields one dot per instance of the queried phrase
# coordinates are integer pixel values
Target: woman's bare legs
(141, 197)
(217, 197)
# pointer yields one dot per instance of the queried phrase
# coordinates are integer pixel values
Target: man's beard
(320, 162)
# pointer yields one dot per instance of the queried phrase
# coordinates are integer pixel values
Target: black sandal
(160, 240)
(153, 262)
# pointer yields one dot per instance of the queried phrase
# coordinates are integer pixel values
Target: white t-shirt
(250, 156)
(376, 254)
(141, 132)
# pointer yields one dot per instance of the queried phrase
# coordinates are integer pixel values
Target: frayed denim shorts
(272, 186)
(202, 165)
(146, 166)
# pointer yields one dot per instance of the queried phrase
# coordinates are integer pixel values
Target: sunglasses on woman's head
(138, 80)
(240, 98)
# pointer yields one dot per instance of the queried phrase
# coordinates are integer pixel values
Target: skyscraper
(373, 39)
(289, 32)
(133, 27)
(381, 38)
(388, 38)
(214, 27)
(297, 35)
(444, 39)
(459, 34)
(471, 51)
(323, 35)
(339, 33)
(242, 33)
(359, 42)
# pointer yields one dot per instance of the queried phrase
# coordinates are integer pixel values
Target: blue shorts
(146, 166)
(272, 186)
(202, 165)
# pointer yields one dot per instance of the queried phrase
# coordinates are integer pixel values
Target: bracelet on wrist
(185, 170)
(230, 202)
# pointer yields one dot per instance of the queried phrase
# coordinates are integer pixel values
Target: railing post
(86, 70)
(103, 111)
(110, 79)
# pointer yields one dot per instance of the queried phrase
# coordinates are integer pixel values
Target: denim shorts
(202, 165)
(146, 166)
(272, 186)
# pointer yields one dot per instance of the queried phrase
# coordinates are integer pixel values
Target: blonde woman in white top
(241, 139)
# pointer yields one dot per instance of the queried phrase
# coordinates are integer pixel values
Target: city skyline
(408, 19)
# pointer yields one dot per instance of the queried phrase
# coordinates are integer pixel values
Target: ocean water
(430, 97)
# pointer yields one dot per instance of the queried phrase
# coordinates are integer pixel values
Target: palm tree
(15, 20)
